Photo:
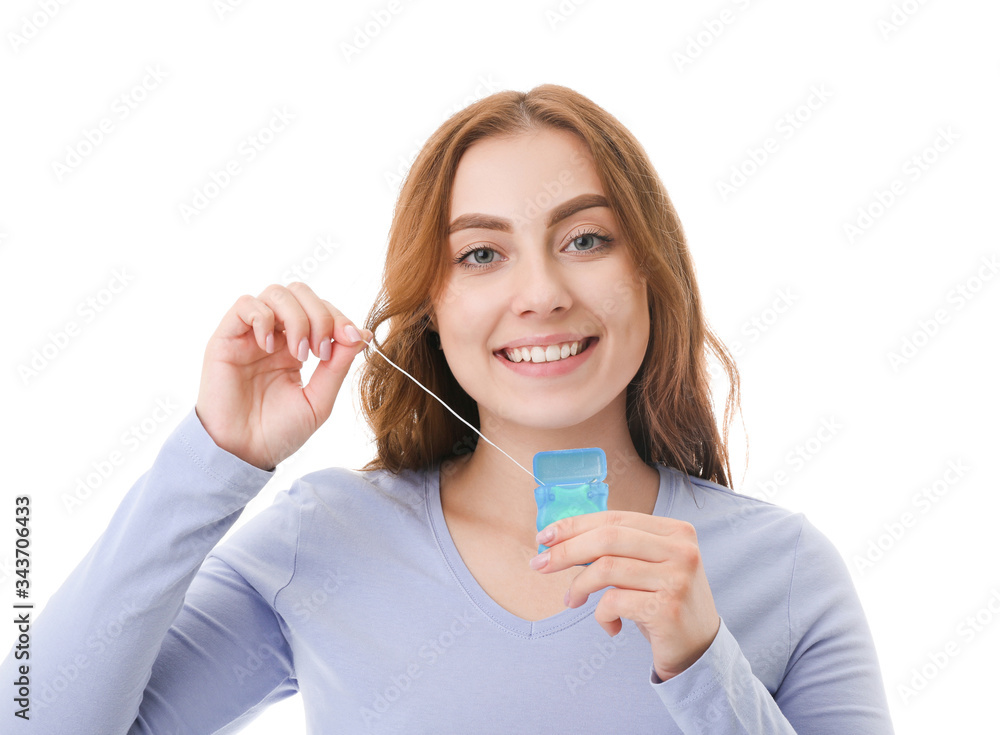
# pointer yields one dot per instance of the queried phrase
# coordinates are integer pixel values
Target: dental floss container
(574, 485)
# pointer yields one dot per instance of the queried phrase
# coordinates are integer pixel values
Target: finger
(320, 320)
(614, 571)
(248, 314)
(327, 379)
(613, 626)
(615, 604)
(288, 312)
(575, 525)
(341, 323)
(607, 541)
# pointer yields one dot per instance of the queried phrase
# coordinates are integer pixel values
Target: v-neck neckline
(507, 620)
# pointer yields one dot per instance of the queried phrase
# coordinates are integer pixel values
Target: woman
(537, 279)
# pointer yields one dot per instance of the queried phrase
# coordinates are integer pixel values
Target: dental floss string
(450, 409)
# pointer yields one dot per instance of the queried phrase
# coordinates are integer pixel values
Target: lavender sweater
(349, 590)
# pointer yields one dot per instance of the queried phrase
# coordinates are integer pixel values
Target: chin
(541, 416)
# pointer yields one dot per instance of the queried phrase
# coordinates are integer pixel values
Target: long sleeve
(831, 683)
(103, 644)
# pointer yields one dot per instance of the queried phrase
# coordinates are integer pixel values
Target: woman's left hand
(655, 566)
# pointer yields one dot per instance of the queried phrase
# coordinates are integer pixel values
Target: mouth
(538, 354)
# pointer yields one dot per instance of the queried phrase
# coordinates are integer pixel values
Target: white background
(894, 76)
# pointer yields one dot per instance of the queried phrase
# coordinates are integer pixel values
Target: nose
(540, 288)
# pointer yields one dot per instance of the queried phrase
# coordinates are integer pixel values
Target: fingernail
(352, 333)
(325, 349)
(539, 561)
(303, 350)
(269, 343)
(545, 535)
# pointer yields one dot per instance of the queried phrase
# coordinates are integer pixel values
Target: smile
(544, 367)
(546, 353)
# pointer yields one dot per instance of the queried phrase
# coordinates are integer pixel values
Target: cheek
(462, 315)
(621, 302)
(448, 301)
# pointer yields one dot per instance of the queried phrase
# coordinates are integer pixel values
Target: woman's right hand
(252, 401)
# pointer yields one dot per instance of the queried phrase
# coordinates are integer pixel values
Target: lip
(545, 369)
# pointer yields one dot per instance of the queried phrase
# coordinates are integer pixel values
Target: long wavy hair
(669, 404)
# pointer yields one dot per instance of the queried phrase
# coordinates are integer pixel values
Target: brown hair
(669, 407)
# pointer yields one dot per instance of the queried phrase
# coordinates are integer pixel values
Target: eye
(480, 258)
(588, 241)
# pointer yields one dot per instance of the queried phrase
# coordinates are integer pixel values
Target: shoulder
(327, 511)
(337, 504)
(764, 558)
(340, 493)
(737, 524)
(352, 491)
(714, 508)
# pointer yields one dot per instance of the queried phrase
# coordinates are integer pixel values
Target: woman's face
(543, 321)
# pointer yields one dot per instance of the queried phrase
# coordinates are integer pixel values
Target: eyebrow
(487, 222)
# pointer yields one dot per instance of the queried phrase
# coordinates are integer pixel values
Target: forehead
(523, 176)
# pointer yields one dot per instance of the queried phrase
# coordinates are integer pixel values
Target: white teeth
(550, 353)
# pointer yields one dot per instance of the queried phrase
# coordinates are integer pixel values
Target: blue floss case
(574, 485)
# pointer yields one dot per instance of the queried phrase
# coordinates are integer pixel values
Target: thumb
(326, 380)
